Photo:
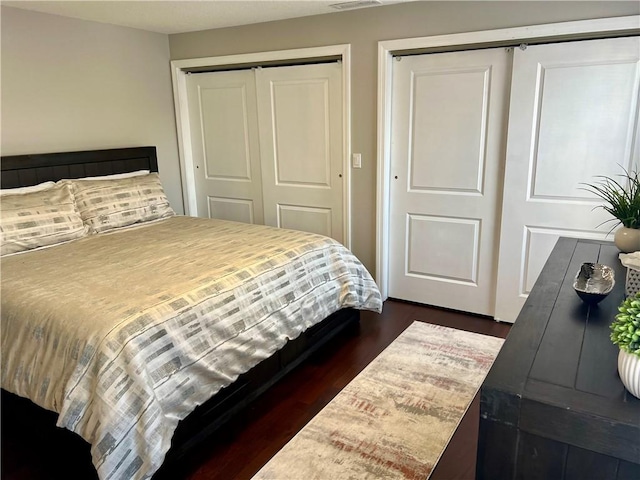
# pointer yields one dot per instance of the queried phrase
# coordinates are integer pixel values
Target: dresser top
(559, 362)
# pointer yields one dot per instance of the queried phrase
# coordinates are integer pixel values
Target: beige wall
(71, 84)
(363, 29)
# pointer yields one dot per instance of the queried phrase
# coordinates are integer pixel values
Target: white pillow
(116, 176)
(114, 203)
(21, 190)
(38, 219)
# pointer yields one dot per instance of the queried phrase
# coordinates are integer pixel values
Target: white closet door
(448, 133)
(225, 145)
(300, 117)
(573, 115)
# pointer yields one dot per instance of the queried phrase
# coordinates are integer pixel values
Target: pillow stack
(52, 213)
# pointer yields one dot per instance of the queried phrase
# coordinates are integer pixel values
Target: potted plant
(625, 332)
(623, 202)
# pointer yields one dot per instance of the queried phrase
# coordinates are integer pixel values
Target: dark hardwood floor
(36, 452)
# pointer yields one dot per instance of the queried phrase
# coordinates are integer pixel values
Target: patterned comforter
(124, 334)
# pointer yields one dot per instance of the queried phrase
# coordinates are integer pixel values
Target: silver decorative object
(594, 282)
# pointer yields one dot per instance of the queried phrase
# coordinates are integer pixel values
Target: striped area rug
(394, 420)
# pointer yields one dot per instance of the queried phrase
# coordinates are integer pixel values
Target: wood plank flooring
(30, 451)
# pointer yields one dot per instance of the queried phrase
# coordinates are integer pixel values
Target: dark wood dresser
(553, 406)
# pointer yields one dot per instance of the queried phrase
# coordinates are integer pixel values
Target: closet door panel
(583, 111)
(300, 118)
(573, 115)
(225, 145)
(448, 133)
(302, 136)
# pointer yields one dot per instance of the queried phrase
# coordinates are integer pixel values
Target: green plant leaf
(622, 198)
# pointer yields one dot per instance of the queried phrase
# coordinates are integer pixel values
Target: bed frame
(25, 170)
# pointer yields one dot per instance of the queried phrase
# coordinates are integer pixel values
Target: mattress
(124, 334)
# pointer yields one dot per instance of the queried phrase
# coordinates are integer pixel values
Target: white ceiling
(174, 16)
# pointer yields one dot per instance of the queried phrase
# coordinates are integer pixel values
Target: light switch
(357, 160)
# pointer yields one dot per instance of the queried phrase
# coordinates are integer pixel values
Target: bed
(147, 336)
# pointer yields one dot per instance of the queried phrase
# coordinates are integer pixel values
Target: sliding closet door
(225, 145)
(573, 115)
(267, 146)
(448, 134)
(301, 145)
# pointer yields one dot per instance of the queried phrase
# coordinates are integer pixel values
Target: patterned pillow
(114, 203)
(39, 219)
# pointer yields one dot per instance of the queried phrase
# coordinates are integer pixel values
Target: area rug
(394, 420)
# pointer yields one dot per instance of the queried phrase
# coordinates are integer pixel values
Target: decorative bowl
(594, 282)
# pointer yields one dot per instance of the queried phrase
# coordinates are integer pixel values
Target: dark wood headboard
(25, 170)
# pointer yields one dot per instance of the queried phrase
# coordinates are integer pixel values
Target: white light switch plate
(357, 160)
